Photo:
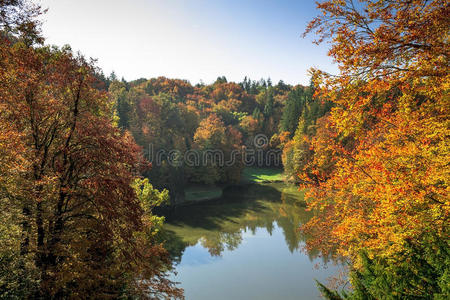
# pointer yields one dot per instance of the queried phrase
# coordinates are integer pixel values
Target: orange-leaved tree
(380, 170)
(76, 226)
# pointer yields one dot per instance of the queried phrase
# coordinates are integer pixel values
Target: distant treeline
(169, 117)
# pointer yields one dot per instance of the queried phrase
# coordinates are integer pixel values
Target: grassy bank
(202, 192)
(196, 193)
(262, 175)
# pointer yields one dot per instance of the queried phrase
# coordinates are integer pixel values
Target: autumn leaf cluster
(380, 165)
(75, 223)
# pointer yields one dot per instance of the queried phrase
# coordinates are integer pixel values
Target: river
(246, 246)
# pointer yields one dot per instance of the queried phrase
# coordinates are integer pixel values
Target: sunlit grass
(259, 175)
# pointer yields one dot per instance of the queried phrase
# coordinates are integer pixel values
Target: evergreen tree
(268, 108)
(281, 86)
(254, 88)
(221, 79)
(119, 95)
(112, 76)
(293, 109)
(256, 113)
(421, 272)
(262, 83)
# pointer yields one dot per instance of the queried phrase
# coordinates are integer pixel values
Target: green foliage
(268, 107)
(293, 109)
(256, 113)
(221, 79)
(18, 275)
(297, 152)
(329, 294)
(301, 103)
(239, 115)
(422, 271)
(149, 198)
(118, 94)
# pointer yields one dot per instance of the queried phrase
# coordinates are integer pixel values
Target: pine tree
(292, 111)
(268, 108)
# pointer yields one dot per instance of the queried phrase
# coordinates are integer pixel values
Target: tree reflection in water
(220, 224)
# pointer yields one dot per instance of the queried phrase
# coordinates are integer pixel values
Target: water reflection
(245, 246)
(218, 226)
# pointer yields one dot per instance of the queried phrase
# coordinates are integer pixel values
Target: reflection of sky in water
(197, 255)
(261, 267)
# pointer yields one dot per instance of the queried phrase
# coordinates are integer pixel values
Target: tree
(295, 104)
(281, 86)
(118, 94)
(380, 170)
(268, 107)
(221, 79)
(66, 176)
(215, 144)
(19, 19)
(421, 272)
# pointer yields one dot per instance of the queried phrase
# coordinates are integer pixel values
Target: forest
(90, 163)
(166, 115)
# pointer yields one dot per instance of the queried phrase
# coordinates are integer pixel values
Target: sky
(197, 40)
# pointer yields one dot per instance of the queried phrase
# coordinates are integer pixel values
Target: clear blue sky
(191, 39)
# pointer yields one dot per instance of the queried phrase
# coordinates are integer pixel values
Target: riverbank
(262, 175)
(250, 175)
(248, 239)
(196, 193)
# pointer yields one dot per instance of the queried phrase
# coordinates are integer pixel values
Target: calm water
(246, 246)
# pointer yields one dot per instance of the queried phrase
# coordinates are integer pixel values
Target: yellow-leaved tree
(381, 158)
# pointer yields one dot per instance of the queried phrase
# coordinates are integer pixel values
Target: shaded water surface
(246, 246)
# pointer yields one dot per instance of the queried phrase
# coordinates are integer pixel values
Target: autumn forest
(95, 169)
